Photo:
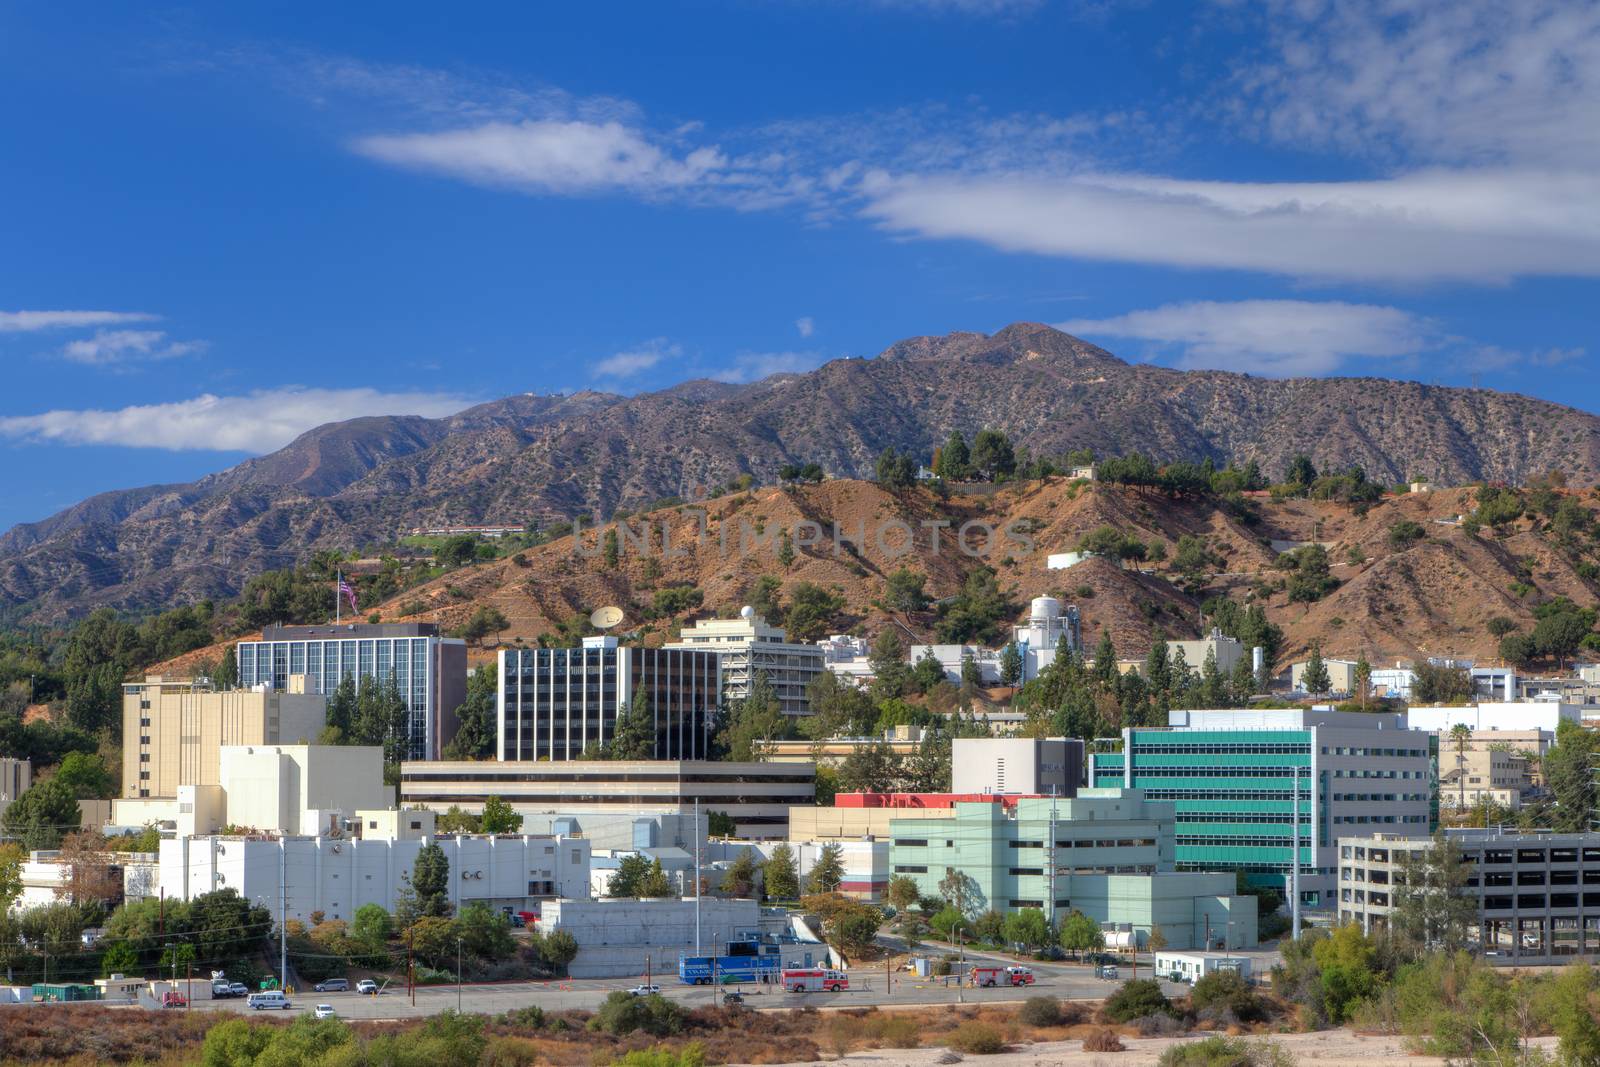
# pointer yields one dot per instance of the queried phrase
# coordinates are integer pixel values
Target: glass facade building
(1232, 777)
(429, 670)
(556, 702)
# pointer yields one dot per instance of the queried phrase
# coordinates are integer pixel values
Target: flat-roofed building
(901, 740)
(430, 669)
(757, 796)
(16, 775)
(1537, 894)
(1052, 766)
(749, 645)
(173, 730)
(1234, 775)
(558, 703)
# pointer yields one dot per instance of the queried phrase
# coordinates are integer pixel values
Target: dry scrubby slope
(1432, 597)
(523, 457)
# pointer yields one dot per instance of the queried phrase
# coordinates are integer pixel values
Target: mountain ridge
(531, 457)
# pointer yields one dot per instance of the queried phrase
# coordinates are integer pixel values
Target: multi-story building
(1537, 894)
(848, 657)
(757, 796)
(1341, 676)
(1108, 853)
(557, 703)
(1234, 777)
(748, 646)
(173, 731)
(901, 740)
(335, 875)
(430, 670)
(1469, 775)
(1051, 766)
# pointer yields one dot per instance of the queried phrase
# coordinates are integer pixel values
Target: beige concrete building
(812, 823)
(902, 741)
(1341, 676)
(1496, 774)
(173, 732)
(747, 645)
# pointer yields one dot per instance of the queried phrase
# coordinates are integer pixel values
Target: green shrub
(530, 1017)
(1040, 1011)
(1103, 1040)
(691, 1055)
(899, 1031)
(1226, 991)
(623, 1013)
(1225, 1052)
(979, 1039)
(1137, 998)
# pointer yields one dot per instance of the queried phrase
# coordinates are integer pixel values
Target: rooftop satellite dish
(605, 618)
(747, 612)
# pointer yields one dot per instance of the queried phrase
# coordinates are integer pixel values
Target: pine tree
(1314, 679)
(778, 875)
(1363, 680)
(785, 550)
(951, 464)
(1157, 668)
(1105, 659)
(1213, 690)
(828, 872)
(753, 722)
(740, 879)
(1010, 664)
(634, 736)
(1242, 682)
(611, 553)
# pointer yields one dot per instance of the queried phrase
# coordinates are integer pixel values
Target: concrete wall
(276, 787)
(616, 936)
(1052, 766)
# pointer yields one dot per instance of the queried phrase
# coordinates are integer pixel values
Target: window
(416, 824)
(907, 869)
(372, 824)
(914, 842)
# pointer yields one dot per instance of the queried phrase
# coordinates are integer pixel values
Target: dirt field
(1333, 1048)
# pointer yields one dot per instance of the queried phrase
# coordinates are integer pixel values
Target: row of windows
(1374, 797)
(1219, 749)
(1344, 750)
(1242, 839)
(1242, 816)
(1382, 819)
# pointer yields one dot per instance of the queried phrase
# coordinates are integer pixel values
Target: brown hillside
(1434, 597)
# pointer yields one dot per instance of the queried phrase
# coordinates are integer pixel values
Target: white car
(324, 1011)
(367, 987)
(644, 990)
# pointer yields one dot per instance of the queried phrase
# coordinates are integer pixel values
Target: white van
(272, 998)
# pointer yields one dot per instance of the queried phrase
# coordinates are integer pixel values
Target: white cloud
(753, 366)
(257, 422)
(547, 156)
(1470, 226)
(1495, 358)
(1474, 81)
(806, 325)
(1274, 337)
(26, 321)
(636, 360)
(122, 346)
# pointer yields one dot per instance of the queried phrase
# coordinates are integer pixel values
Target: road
(1062, 980)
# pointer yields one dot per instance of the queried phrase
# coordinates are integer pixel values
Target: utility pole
(699, 838)
(411, 970)
(458, 976)
(283, 914)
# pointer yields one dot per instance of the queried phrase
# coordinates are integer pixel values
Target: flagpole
(338, 594)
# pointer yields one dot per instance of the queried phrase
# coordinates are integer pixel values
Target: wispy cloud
(805, 325)
(27, 321)
(256, 422)
(108, 347)
(753, 366)
(1437, 225)
(1496, 358)
(1273, 337)
(638, 359)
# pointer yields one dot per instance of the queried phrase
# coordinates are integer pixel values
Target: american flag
(348, 591)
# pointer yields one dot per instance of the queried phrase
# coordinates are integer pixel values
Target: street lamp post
(458, 976)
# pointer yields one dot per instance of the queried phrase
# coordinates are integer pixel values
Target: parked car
(324, 1011)
(174, 999)
(517, 920)
(644, 990)
(367, 987)
(333, 985)
(238, 989)
(272, 998)
(221, 990)
(1106, 970)
(733, 998)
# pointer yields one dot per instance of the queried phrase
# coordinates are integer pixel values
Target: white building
(952, 657)
(1393, 681)
(1227, 650)
(337, 875)
(748, 645)
(1049, 629)
(1045, 766)
(293, 789)
(848, 657)
(1522, 715)
(1060, 561)
(44, 878)
(625, 938)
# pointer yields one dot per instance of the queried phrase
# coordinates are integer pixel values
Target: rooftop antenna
(605, 618)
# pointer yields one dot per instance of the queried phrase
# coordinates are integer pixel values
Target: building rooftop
(331, 631)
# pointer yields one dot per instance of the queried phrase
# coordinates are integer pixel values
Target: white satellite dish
(605, 618)
(747, 612)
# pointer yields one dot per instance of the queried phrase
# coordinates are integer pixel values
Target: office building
(557, 703)
(430, 670)
(1341, 677)
(1108, 853)
(1473, 774)
(626, 938)
(747, 646)
(1233, 776)
(756, 796)
(1523, 715)
(290, 789)
(1046, 766)
(173, 731)
(335, 875)
(1537, 894)
(16, 775)
(901, 740)
(850, 658)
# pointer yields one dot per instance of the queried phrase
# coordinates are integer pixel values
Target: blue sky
(228, 223)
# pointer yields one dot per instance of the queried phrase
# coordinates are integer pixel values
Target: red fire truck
(812, 979)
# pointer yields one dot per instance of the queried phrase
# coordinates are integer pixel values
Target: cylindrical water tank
(1045, 607)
